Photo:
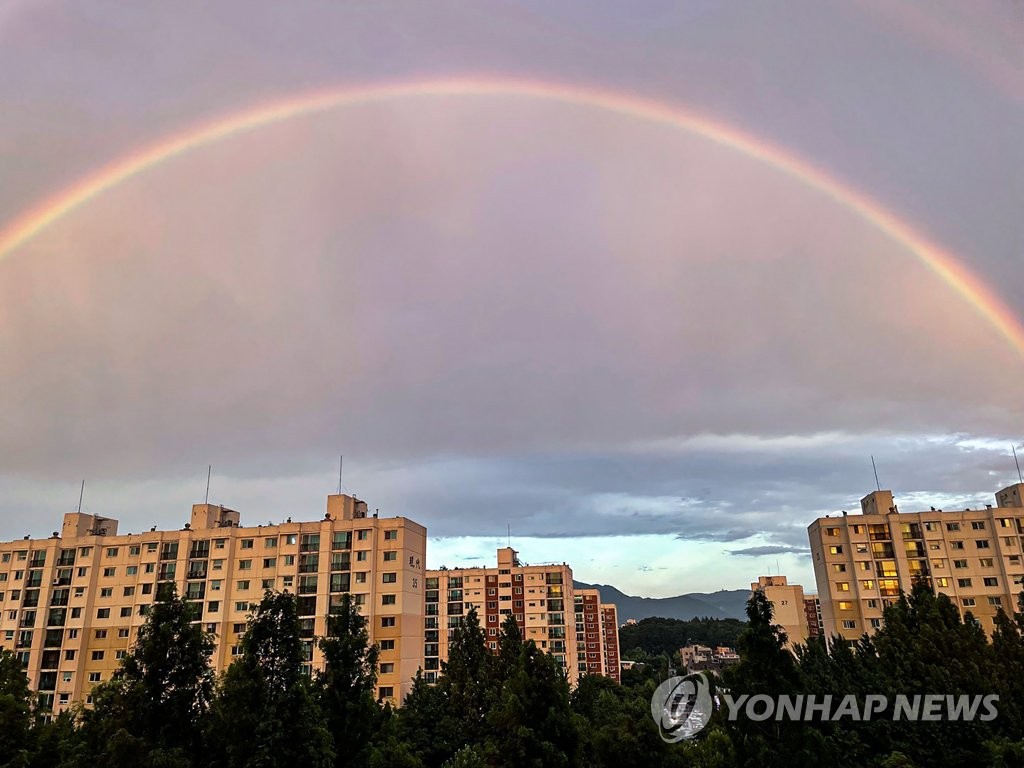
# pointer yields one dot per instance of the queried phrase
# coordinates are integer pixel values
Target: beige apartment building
(541, 597)
(71, 605)
(597, 635)
(861, 562)
(789, 607)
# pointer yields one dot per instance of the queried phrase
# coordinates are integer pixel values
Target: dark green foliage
(657, 636)
(265, 715)
(15, 712)
(345, 689)
(148, 711)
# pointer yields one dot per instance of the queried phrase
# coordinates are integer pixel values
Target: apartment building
(541, 597)
(597, 635)
(71, 605)
(788, 607)
(861, 562)
(812, 613)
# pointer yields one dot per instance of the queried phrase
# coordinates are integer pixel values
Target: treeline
(165, 708)
(656, 636)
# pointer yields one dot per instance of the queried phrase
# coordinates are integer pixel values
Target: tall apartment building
(541, 597)
(71, 605)
(597, 635)
(861, 562)
(789, 608)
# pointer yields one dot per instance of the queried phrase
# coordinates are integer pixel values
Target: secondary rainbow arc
(942, 263)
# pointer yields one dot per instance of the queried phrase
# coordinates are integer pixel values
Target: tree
(345, 688)
(153, 707)
(15, 711)
(264, 715)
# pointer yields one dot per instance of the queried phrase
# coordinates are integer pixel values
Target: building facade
(861, 562)
(597, 635)
(540, 597)
(789, 607)
(71, 605)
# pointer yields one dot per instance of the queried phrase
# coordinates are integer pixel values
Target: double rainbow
(947, 268)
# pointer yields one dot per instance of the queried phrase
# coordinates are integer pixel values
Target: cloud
(769, 550)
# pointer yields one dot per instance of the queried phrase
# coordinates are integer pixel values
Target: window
(246, 543)
(940, 563)
(291, 538)
(270, 543)
(362, 535)
(97, 655)
(126, 611)
(387, 668)
(387, 599)
(219, 543)
(218, 565)
(215, 585)
(267, 584)
(242, 606)
(107, 592)
(243, 585)
(134, 550)
(836, 550)
(361, 556)
(876, 623)
(867, 584)
(839, 567)
(103, 613)
(968, 602)
(959, 563)
(119, 655)
(269, 562)
(111, 551)
(942, 582)
(389, 578)
(389, 556)
(996, 601)
(94, 677)
(831, 531)
(845, 605)
(865, 565)
(386, 692)
(982, 544)
(122, 633)
(100, 634)
(213, 606)
(387, 621)
(872, 603)
(245, 565)
(69, 656)
(956, 544)
(848, 624)
(843, 586)
(132, 570)
(952, 526)
(390, 535)
(978, 525)
(987, 562)
(151, 546)
(129, 591)
(991, 582)
(360, 577)
(963, 583)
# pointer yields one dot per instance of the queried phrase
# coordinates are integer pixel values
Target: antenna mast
(341, 466)
(81, 495)
(1017, 462)
(878, 485)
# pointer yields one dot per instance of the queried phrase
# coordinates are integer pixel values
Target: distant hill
(724, 604)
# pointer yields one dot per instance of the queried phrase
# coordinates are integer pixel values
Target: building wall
(788, 606)
(861, 562)
(542, 599)
(610, 641)
(71, 605)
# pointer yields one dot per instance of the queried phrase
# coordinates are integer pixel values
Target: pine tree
(15, 711)
(345, 688)
(265, 715)
(153, 708)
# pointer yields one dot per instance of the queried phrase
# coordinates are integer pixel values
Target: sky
(622, 343)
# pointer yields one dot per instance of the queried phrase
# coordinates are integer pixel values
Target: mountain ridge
(723, 604)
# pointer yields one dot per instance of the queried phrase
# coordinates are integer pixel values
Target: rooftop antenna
(1017, 462)
(81, 495)
(878, 485)
(209, 472)
(510, 535)
(341, 466)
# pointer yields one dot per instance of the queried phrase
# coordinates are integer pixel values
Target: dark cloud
(768, 550)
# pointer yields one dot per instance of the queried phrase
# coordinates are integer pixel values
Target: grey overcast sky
(650, 355)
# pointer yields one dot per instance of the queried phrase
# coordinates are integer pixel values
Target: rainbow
(947, 268)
